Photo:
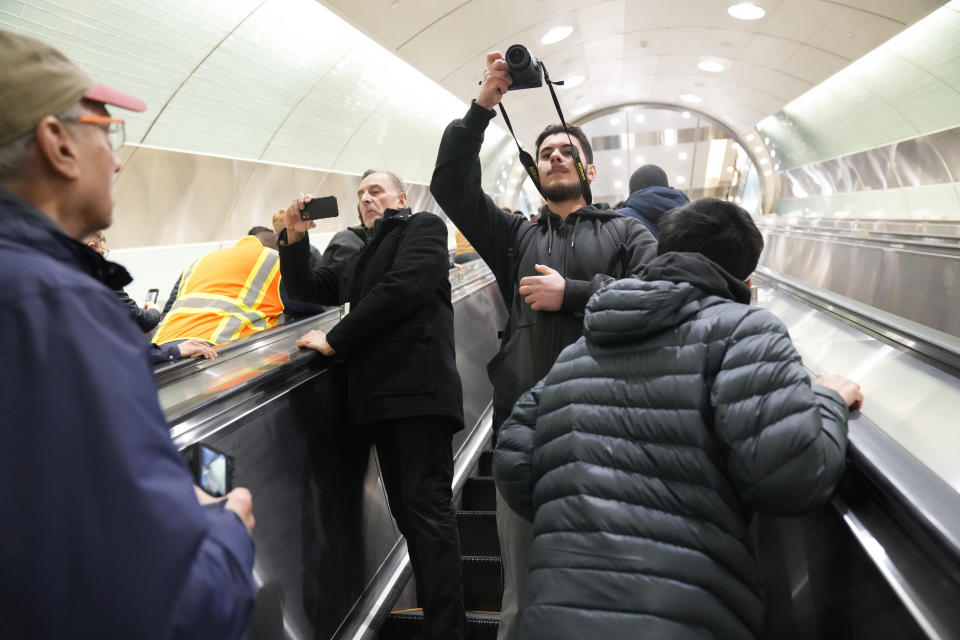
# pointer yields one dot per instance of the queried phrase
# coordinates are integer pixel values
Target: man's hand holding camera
(496, 81)
(296, 227)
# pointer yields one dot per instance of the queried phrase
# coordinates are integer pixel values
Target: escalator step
(485, 468)
(405, 625)
(479, 494)
(482, 583)
(478, 533)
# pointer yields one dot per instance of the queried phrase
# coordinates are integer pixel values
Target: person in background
(651, 196)
(146, 316)
(642, 454)
(103, 534)
(227, 294)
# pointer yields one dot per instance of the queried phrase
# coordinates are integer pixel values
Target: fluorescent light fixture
(616, 162)
(768, 173)
(669, 137)
(685, 115)
(711, 66)
(680, 180)
(618, 184)
(682, 155)
(556, 34)
(691, 98)
(573, 81)
(746, 11)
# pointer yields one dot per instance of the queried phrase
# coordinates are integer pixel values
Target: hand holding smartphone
(318, 208)
(152, 295)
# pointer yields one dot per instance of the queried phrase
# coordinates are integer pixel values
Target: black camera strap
(530, 164)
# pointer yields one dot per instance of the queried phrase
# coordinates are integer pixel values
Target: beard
(562, 192)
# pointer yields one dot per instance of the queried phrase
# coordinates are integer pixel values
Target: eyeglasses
(115, 128)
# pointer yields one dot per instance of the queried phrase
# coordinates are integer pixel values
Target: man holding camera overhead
(546, 270)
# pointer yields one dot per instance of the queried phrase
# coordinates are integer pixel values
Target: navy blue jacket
(648, 205)
(102, 536)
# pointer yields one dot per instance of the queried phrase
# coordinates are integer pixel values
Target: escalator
(882, 560)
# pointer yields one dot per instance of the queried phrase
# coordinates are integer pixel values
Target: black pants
(416, 462)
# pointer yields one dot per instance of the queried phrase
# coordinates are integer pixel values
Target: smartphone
(152, 295)
(212, 469)
(318, 208)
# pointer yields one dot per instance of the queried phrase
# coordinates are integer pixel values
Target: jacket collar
(597, 210)
(25, 225)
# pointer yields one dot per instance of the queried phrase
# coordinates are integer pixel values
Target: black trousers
(416, 462)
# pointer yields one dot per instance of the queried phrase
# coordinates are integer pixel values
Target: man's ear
(57, 148)
(591, 172)
(403, 199)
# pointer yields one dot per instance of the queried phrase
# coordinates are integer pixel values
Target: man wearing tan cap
(103, 535)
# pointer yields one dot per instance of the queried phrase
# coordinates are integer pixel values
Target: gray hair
(396, 179)
(15, 154)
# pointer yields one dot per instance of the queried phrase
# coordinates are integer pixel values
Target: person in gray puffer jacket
(642, 454)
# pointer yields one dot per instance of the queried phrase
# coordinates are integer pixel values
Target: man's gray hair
(15, 154)
(396, 179)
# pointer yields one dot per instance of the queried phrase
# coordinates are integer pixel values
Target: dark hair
(574, 131)
(258, 230)
(649, 175)
(718, 229)
(396, 179)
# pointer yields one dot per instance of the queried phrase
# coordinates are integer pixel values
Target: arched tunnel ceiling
(639, 50)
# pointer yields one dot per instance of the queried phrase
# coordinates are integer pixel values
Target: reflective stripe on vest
(219, 318)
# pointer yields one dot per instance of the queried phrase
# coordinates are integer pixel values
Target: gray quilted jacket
(643, 452)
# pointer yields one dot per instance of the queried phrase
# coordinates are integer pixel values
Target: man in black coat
(402, 381)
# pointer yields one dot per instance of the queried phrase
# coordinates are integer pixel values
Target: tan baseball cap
(36, 80)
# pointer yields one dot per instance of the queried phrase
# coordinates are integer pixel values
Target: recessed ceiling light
(758, 149)
(682, 155)
(680, 180)
(690, 98)
(614, 121)
(729, 169)
(746, 11)
(639, 159)
(750, 137)
(556, 34)
(685, 115)
(616, 162)
(777, 167)
(617, 184)
(639, 117)
(573, 81)
(764, 161)
(711, 66)
(768, 173)
(773, 153)
(766, 140)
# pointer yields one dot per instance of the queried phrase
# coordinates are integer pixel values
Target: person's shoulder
(745, 320)
(25, 273)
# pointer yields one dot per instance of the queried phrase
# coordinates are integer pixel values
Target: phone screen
(152, 295)
(317, 208)
(213, 472)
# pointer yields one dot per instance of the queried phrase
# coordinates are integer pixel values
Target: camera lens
(518, 56)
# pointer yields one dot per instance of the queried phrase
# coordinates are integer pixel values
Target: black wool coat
(397, 340)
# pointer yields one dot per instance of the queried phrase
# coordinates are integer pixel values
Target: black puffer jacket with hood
(643, 452)
(593, 244)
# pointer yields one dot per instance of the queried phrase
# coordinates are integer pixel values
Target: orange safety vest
(226, 295)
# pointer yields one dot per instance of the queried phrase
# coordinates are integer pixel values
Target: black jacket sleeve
(305, 279)
(419, 266)
(146, 319)
(173, 296)
(456, 186)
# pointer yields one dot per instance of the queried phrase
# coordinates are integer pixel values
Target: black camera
(524, 69)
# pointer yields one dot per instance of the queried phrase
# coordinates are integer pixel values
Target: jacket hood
(25, 225)
(671, 288)
(596, 210)
(653, 202)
